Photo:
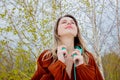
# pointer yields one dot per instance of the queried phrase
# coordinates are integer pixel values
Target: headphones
(79, 48)
(76, 47)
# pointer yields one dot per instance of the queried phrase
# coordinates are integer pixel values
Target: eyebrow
(64, 20)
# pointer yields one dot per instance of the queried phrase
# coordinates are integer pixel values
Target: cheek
(60, 30)
(75, 31)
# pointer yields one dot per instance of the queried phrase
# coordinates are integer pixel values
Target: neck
(68, 41)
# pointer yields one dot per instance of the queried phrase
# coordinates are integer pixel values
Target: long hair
(78, 40)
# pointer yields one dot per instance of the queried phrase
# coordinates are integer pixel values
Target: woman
(69, 60)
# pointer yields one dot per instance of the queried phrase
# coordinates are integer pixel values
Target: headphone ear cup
(63, 48)
(79, 48)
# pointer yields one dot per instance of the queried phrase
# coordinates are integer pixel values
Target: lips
(68, 27)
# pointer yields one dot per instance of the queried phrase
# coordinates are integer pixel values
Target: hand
(61, 53)
(77, 57)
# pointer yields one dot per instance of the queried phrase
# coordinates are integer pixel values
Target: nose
(69, 23)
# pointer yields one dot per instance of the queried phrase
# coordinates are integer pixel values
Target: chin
(69, 34)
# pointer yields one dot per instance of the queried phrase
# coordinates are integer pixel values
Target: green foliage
(111, 66)
(21, 67)
(3, 42)
(86, 2)
(18, 56)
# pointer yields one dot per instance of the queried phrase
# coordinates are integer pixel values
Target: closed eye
(72, 22)
(63, 22)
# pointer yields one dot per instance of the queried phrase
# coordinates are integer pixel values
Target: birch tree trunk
(96, 42)
(118, 24)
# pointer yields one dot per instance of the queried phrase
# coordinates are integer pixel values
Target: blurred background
(26, 29)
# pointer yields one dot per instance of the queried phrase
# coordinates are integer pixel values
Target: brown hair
(78, 40)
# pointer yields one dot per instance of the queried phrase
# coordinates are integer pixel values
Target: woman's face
(67, 27)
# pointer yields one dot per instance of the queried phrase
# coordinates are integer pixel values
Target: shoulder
(90, 54)
(45, 58)
(45, 53)
(91, 57)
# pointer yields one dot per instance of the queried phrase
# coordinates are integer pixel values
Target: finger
(62, 47)
(78, 51)
(74, 53)
(76, 59)
(62, 53)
